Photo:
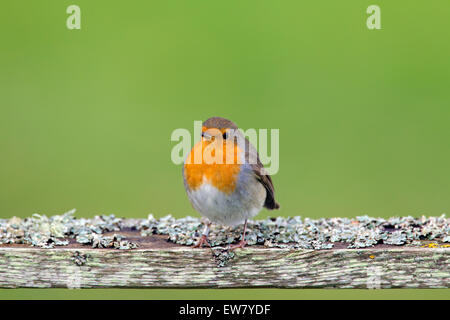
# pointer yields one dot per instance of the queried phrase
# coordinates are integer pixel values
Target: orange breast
(200, 167)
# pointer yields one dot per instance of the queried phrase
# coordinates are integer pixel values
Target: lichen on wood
(63, 251)
(291, 232)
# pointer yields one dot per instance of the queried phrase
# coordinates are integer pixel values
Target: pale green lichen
(79, 258)
(48, 232)
(223, 257)
(290, 232)
(294, 232)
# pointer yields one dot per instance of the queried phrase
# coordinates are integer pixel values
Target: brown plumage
(266, 181)
(258, 168)
(227, 193)
(219, 123)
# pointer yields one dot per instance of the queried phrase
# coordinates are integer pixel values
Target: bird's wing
(261, 175)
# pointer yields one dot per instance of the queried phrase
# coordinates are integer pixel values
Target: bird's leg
(204, 237)
(241, 243)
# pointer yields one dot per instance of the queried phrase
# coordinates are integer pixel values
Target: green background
(86, 115)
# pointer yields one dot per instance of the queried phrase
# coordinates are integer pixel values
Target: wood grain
(173, 266)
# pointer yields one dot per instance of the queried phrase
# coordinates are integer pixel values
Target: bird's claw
(239, 245)
(203, 240)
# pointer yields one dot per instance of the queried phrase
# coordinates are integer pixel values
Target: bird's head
(218, 130)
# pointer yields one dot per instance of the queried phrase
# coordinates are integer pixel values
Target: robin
(224, 178)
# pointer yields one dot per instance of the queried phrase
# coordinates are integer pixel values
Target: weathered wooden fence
(107, 252)
(158, 264)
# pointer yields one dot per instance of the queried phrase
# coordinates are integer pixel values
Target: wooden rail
(157, 263)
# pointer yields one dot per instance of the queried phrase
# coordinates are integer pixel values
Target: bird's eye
(224, 135)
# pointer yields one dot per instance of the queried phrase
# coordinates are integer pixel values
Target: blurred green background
(86, 115)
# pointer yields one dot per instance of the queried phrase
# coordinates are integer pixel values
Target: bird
(225, 180)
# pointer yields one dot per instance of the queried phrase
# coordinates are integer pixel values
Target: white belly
(229, 209)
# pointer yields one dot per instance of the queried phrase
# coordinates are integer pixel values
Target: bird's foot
(203, 240)
(240, 245)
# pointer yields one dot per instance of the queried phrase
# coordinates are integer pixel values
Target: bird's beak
(211, 134)
(206, 135)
